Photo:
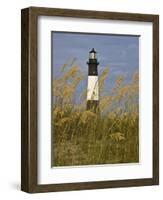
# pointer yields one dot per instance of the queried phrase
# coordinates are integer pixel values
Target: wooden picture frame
(29, 97)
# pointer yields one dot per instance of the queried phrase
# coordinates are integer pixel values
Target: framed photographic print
(90, 99)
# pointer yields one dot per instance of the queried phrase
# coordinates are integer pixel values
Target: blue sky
(119, 52)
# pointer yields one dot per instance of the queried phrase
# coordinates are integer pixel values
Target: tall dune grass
(82, 137)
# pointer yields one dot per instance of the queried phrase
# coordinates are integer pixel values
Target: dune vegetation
(83, 137)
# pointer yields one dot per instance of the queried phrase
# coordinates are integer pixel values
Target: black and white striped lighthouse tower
(92, 88)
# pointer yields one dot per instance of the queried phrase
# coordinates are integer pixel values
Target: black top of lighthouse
(92, 63)
(93, 54)
(92, 51)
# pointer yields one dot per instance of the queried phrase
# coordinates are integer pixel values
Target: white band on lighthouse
(93, 92)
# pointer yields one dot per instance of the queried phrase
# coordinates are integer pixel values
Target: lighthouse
(92, 87)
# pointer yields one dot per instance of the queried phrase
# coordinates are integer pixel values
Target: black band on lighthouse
(92, 63)
(92, 67)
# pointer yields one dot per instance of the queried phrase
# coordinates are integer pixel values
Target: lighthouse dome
(92, 54)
